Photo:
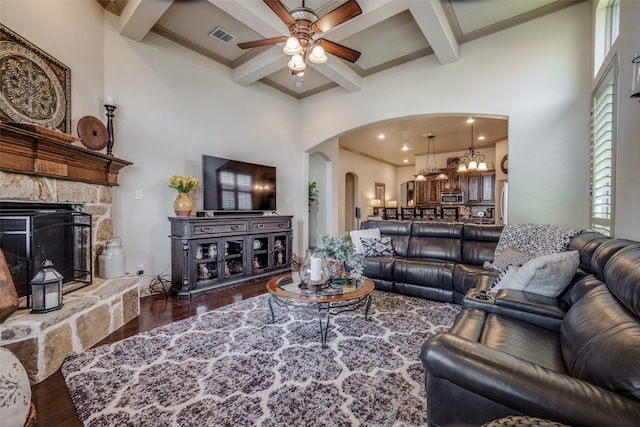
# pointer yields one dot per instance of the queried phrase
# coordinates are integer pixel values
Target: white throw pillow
(504, 279)
(546, 275)
(373, 233)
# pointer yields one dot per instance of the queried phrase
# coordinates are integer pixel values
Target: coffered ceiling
(388, 33)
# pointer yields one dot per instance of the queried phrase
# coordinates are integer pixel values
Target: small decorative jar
(111, 263)
(314, 271)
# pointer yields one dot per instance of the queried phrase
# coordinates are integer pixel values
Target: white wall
(627, 46)
(174, 106)
(319, 214)
(368, 171)
(535, 74)
(54, 26)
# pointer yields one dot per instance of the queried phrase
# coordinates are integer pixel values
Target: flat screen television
(231, 185)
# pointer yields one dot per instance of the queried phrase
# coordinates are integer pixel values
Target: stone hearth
(42, 341)
(41, 168)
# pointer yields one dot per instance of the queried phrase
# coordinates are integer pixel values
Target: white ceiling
(388, 33)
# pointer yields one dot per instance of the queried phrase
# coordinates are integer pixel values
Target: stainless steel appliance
(452, 198)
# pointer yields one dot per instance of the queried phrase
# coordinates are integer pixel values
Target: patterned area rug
(231, 367)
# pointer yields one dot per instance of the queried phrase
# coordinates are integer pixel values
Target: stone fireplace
(40, 169)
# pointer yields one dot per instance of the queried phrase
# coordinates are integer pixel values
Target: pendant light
(472, 160)
(431, 169)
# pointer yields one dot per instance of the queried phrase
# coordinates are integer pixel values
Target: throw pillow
(377, 247)
(356, 235)
(504, 279)
(547, 275)
(509, 256)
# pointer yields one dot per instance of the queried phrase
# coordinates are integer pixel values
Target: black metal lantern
(46, 289)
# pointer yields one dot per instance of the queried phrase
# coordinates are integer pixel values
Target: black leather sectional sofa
(574, 359)
(434, 260)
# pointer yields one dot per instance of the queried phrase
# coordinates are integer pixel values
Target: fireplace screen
(30, 236)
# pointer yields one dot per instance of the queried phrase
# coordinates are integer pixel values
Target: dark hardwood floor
(51, 397)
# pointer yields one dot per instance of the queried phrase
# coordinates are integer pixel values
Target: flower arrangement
(183, 184)
(344, 251)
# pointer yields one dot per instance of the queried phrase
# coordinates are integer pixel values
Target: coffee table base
(325, 310)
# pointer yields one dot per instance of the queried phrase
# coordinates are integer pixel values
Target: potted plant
(314, 193)
(340, 252)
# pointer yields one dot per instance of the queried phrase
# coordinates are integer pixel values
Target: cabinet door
(434, 188)
(420, 193)
(488, 183)
(233, 256)
(281, 254)
(260, 253)
(473, 188)
(205, 264)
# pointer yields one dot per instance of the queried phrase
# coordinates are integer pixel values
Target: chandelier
(430, 170)
(472, 160)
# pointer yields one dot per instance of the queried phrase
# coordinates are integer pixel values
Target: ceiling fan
(303, 24)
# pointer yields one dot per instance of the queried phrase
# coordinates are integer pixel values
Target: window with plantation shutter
(603, 155)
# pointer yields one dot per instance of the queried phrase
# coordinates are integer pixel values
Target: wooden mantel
(34, 153)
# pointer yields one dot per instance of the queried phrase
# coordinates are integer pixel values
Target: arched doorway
(319, 167)
(351, 217)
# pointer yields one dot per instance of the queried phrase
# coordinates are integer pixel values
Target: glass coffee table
(286, 291)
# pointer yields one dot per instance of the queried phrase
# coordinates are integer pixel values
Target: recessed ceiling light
(481, 138)
(381, 136)
(470, 120)
(405, 148)
(406, 161)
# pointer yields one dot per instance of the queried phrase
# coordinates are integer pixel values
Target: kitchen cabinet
(212, 253)
(479, 187)
(427, 192)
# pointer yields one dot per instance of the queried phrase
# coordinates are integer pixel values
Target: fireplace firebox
(31, 233)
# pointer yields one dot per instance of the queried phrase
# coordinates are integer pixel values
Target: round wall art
(92, 133)
(31, 92)
(35, 88)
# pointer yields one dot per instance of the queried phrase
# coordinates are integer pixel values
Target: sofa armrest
(524, 386)
(531, 303)
(520, 306)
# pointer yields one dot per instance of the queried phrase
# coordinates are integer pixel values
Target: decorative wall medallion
(504, 164)
(34, 87)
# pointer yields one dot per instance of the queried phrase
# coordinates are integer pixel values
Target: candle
(51, 300)
(316, 269)
(109, 100)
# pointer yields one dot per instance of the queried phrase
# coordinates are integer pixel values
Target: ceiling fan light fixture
(318, 55)
(297, 63)
(292, 47)
(304, 13)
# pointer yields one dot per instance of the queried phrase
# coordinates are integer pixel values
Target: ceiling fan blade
(265, 42)
(281, 11)
(337, 16)
(339, 50)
